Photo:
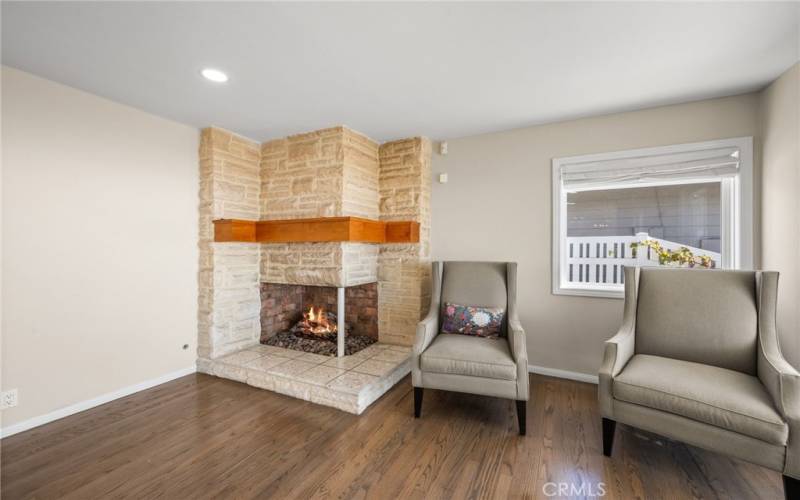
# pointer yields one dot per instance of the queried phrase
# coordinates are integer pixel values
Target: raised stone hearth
(350, 384)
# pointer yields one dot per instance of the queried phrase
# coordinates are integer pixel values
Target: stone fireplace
(253, 288)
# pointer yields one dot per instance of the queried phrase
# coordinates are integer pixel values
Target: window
(688, 205)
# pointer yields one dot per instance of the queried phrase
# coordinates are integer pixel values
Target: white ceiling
(394, 70)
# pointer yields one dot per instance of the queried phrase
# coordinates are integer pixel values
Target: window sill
(606, 293)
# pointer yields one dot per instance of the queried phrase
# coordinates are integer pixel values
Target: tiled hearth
(350, 383)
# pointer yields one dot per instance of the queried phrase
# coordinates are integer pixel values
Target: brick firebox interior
(283, 305)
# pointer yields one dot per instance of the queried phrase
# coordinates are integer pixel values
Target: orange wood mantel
(317, 230)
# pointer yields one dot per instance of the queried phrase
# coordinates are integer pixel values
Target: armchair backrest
(476, 284)
(703, 316)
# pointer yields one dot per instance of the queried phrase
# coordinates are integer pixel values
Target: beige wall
(780, 205)
(99, 245)
(497, 206)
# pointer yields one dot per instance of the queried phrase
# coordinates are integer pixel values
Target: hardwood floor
(204, 437)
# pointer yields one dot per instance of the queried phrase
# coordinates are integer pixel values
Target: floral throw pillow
(472, 320)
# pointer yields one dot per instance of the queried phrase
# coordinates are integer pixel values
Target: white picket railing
(600, 259)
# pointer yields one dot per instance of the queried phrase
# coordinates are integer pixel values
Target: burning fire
(316, 321)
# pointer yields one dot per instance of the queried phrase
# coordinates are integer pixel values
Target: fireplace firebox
(319, 319)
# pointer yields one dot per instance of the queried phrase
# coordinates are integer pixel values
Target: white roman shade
(716, 162)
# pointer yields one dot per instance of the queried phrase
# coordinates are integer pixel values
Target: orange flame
(316, 321)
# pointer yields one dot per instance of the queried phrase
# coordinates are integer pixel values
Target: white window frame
(736, 225)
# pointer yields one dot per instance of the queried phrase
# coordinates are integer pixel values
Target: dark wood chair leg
(417, 401)
(791, 488)
(522, 412)
(609, 426)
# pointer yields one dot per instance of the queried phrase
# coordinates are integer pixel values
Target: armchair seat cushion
(717, 396)
(456, 354)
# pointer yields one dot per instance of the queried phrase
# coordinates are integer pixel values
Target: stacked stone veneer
(320, 264)
(229, 302)
(404, 269)
(326, 173)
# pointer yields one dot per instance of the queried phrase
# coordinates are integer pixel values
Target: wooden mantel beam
(316, 230)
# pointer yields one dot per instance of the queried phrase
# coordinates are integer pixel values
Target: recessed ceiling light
(214, 75)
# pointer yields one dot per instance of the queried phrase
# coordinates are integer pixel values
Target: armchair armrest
(780, 378)
(517, 341)
(619, 349)
(782, 382)
(517, 344)
(428, 327)
(426, 331)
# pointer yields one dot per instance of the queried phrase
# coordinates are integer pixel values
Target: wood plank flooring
(204, 437)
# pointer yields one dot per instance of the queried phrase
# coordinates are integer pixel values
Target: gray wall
(497, 206)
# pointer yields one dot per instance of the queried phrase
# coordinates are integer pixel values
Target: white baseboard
(91, 403)
(554, 372)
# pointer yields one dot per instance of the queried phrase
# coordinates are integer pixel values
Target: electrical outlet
(8, 399)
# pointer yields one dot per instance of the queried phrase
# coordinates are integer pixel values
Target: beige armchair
(462, 363)
(697, 359)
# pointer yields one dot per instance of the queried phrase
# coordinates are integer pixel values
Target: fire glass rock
(317, 333)
(288, 340)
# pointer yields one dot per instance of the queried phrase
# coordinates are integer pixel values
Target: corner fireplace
(327, 320)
